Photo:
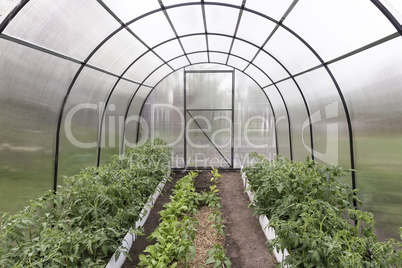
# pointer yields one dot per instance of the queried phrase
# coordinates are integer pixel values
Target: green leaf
(210, 260)
(143, 258)
(128, 255)
(191, 249)
(117, 255)
(316, 256)
(217, 263)
(280, 187)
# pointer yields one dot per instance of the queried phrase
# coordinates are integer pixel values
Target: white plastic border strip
(268, 231)
(130, 238)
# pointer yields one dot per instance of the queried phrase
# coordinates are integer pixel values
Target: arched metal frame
(242, 8)
(217, 63)
(287, 113)
(243, 71)
(388, 15)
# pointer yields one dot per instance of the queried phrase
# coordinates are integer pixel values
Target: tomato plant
(83, 224)
(308, 208)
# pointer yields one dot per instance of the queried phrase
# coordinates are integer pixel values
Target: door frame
(188, 111)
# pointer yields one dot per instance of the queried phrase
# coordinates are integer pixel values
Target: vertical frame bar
(185, 118)
(233, 118)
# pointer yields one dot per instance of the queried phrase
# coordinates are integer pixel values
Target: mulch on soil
(205, 238)
(245, 241)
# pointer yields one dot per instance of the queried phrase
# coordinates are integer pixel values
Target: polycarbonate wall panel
(298, 116)
(143, 67)
(293, 54)
(244, 50)
(371, 82)
(270, 66)
(237, 63)
(194, 43)
(165, 115)
(179, 62)
(153, 29)
(209, 66)
(127, 10)
(187, 19)
(254, 122)
(221, 19)
(169, 50)
(174, 2)
(219, 43)
(218, 57)
(84, 25)
(330, 129)
(158, 74)
(282, 127)
(79, 130)
(133, 117)
(395, 7)
(209, 138)
(232, 2)
(118, 52)
(256, 35)
(216, 89)
(114, 119)
(32, 86)
(361, 23)
(198, 58)
(274, 9)
(261, 78)
(6, 7)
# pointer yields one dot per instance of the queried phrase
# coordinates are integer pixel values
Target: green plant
(84, 223)
(174, 236)
(176, 232)
(217, 256)
(213, 201)
(306, 205)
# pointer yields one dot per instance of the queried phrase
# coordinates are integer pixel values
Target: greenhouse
(224, 84)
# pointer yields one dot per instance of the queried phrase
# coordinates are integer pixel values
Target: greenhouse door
(209, 115)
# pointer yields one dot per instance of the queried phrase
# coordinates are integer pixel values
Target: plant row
(314, 216)
(83, 224)
(174, 236)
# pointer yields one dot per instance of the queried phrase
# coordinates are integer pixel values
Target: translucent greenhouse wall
(209, 124)
(322, 79)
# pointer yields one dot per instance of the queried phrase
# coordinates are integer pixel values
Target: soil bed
(245, 241)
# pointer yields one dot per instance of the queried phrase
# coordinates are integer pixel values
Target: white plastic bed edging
(268, 231)
(130, 238)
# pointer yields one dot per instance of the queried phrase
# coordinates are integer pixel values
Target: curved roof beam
(218, 63)
(12, 14)
(124, 26)
(144, 80)
(388, 15)
(323, 64)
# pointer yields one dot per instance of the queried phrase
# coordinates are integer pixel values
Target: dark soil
(245, 241)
